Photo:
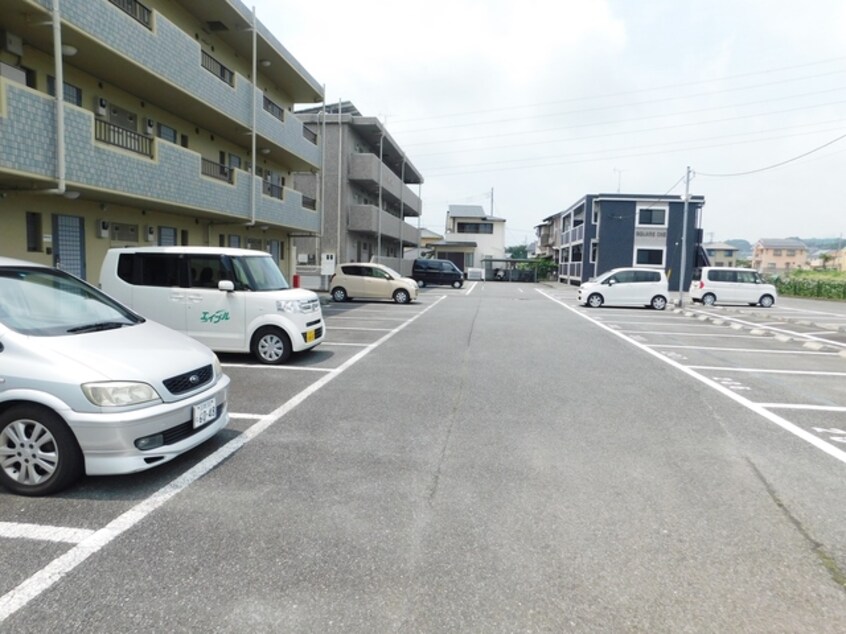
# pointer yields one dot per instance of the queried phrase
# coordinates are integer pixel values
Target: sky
(525, 107)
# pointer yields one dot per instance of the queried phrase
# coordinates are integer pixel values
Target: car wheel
(595, 300)
(39, 454)
(271, 345)
(457, 284)
(401, 296)
(709, 299)
(766, 301)
(421, 283)
(659, 302)
(339, 294)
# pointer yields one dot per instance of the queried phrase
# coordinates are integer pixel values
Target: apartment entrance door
(69, 244)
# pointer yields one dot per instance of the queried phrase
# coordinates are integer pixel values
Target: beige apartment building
(777, 256)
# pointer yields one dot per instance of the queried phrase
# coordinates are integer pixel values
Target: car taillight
(701, 284)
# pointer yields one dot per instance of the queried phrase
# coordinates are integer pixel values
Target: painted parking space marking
(278, 368)
(366, 329)
(339, 343)
(765, 370)
(807, 436)
(799, 406)
(732, 384)
(58, 568)
(750, 350)
(244, 416)
(41, 532)
(682, 334)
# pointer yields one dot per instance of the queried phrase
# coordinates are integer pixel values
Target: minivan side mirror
(226, 285)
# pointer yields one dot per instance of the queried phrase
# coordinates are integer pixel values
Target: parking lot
(440, 398)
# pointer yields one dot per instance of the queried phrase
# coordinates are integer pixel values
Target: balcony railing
(570, 269)
(217, 69)
(275, 109)
(576, 234)
(123, 138)
(272, 190)
(309, 203)
(136, 10)
(216, 170)
(310, 135)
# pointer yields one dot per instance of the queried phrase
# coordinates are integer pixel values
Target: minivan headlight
(119, 393)
(217, 368)
(289, 306)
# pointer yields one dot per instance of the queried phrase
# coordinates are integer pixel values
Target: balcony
(136, 10)
(273, 108)
(121, 137)
(576, 234)
(365, 219)
(272, 190)
(217, 69)
(364, 169)
(216, 170)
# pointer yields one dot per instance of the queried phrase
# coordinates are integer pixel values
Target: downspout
(252, 221)
(60, 188)
(402, 213)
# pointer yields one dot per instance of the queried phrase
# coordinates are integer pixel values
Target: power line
(775, 165)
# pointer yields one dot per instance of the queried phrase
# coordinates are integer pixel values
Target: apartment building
(600, 232)
(365, 185)
(777, 256)
(159, 123)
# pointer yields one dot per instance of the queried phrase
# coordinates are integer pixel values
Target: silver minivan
(88, 386)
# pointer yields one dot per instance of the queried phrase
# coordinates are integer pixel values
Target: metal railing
(310, 135)
(123, 138)
(136, 10)
(217, 69)
(216, 170)
(309, 203)
(275, 109)
(272, 190)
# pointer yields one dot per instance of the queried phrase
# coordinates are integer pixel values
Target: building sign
(651, 233)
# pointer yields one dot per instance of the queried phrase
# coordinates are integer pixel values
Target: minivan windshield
(47, 302)
(258, 273)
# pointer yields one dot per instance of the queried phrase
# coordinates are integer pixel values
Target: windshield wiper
(101, 325)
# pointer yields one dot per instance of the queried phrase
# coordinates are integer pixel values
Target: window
(652, 216)
(650, 257)
(72, 94)
(234, 241)
(790, 253)
(167, 133)
(167, 236)
(206, 271)
(149, 269)
(475, 227)
(33, 232)
(777, 252)
(594, 251)
(234, 161)
(647, 276)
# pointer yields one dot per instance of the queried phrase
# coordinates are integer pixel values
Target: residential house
(776, 256)
(721, 254)
(604, 231)
(365, 192)
(164, 124)
(471, 236)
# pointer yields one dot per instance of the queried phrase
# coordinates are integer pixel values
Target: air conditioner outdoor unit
(101, 106)
(150, 233)
(150, 127)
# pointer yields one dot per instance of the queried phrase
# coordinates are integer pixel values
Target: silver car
(88, 386)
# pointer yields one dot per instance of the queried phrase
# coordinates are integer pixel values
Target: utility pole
(683, 265)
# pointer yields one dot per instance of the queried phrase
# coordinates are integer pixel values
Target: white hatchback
(626, 287)
(712, 285)
(87, 385)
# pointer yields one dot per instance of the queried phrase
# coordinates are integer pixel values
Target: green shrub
(818, 284)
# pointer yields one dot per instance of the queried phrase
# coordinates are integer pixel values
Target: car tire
(271, 346)
(457, 284)
(421, 283)
(766, 301)
(709, 299)
(39, 454)
(402, 296)
(339, 294)
(595, 300)
(659, 302)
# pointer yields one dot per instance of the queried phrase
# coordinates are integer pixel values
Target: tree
(518, 252)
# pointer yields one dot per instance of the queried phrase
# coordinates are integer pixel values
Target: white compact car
(626, 287)
(232, 300)
(87, 385)
(720, 285)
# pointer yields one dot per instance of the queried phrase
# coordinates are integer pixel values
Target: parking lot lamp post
(683, 264)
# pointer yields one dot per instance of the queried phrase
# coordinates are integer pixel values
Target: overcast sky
(528, 106)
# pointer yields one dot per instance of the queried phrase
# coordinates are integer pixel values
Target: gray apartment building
(365, 188)
(600, 232)
(123, 123)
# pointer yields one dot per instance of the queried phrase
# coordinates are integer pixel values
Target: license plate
(204, 412)
(309, 336)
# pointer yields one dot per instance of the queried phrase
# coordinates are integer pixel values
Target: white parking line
(711, 368)
(334, 317)
(784, 331)
(813, 408)
(682, 334)
(753, 350)
(245, 416)
(811, 439)
(288, 368)
(471, 288)
(32, 587)
(338, 343)
(40, 532)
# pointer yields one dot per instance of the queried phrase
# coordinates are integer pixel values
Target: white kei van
(88, 386)
(232, 300)
(629, 286)
(720, 285)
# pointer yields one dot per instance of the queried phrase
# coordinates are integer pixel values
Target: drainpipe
(252, 221)
(402, 215)
(60, 188)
